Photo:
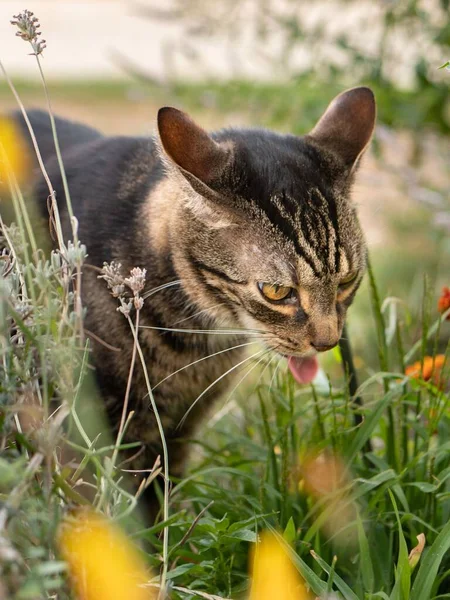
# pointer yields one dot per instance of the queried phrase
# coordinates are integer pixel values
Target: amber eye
(274, 292)
(347, 280)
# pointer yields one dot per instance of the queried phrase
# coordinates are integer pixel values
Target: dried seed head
(28, 26)
(113, 277)
(138, 302)
(136, 281)
(125, 307)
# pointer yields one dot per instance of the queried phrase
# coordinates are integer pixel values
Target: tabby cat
(255, 231)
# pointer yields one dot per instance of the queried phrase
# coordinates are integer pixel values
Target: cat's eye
(276, 293)
(348, 280)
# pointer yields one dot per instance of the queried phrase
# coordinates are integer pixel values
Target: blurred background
(270, 63)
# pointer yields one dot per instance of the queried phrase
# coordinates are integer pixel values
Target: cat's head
(268, 238)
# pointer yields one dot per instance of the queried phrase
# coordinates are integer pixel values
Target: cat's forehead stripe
(311, 225)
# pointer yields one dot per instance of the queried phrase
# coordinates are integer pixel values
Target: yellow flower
(103, 564)
(274, 575)
(14, 155)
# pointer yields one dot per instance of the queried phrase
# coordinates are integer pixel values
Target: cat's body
(111, 181)
(220, 217)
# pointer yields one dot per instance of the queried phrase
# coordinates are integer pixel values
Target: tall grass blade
(426, 576)
(403, 572)
(365, 560)
(345, 590)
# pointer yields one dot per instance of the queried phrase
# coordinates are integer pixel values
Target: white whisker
(200, 312)
(180, 424)
(265, 369)
(258, 362)
(274, 373)
(160, 287)
(203, 358)
(208, 331)
(227, 405)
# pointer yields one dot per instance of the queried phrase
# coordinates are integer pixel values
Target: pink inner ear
(347, 125)
(190, 146)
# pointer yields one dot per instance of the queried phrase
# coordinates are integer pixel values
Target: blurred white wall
(80, 38)
(83, 36)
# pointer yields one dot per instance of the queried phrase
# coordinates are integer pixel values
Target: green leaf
(403, 572)
(180, 570)
(289, 533)
(311, 579)
(340, 583)
(429, 566)
(365, 559)
(424, 486)
(247, 535)
(370, 422)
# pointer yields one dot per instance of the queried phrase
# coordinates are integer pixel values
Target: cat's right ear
(201, 161)
(191, 148)
(347, 125)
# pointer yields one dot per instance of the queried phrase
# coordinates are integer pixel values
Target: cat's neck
(158, 248)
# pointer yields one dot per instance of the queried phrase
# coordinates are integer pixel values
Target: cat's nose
(323, 346)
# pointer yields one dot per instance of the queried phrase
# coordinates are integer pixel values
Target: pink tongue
(303, 369)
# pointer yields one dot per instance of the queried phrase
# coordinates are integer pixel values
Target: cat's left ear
(347, 125)
(201, 159)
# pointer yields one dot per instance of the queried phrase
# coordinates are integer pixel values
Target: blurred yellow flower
(14, 154)
(103, 563)
(274, 575)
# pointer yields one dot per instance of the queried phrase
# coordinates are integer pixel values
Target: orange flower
(326, 478)
(444, 301)
(103, 563)
(323, 474)
(432, 368)
(274, 575)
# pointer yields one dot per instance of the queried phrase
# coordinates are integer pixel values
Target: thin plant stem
(16, 194)
(352, 380)
(404, 405)
(269, 440)
(165, 460)
(383, 357)
(127, 393)
(123, 418)
(73, 221)
(57, 148)
(323, 433)
(52, 195)
(23, 223)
